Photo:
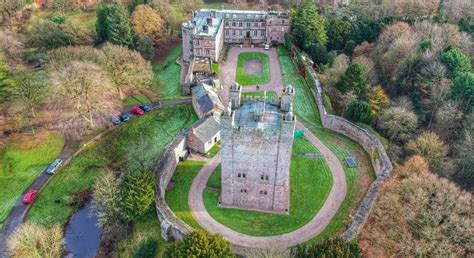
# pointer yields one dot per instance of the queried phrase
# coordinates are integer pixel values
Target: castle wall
(238, 29)
(276, 28)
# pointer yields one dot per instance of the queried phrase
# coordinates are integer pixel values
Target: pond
(82, 235)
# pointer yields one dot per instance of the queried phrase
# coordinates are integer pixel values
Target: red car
(137, 110)
(30, 196)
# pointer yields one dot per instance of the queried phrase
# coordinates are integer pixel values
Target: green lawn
(145, 136)
(21, 160)
(310, 182)
(215, 179)
(215, 68)
(270, 94)
(167, 75)
(252, 79)
(177, 197)
(214, 150)
(304, 105)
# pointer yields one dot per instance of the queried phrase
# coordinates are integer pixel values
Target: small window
(239, 175)
(261, 192)
(261, 177)
(240, 32)
(266, 178)
(265, 192)
(243, 175)
(245, 190)
(233, 24)
(255, 33)
(248, 24)
(226, 23)
(240, 24)
(255, 24)
(227, 33)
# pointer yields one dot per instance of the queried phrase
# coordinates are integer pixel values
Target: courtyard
(252, 68)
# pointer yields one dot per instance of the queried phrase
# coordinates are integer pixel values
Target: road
(20, 210)
(314, 227)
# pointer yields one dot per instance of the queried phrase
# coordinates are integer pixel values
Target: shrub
(200, 244)
(456, 61)
(146, 248)
(328, 248)
(37, 241)
(359, 111)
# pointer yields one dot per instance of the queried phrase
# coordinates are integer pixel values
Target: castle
(256, 143)
(209, 29)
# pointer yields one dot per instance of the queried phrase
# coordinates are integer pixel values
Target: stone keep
(257, 139)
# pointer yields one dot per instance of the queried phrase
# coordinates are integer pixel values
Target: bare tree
(106, 202)
(126, 69)
(82, 90)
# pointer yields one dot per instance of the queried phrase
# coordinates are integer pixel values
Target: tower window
(239, 175)
(243, 175)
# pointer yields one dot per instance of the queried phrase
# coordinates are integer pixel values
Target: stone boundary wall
(171, 226)
(372, 145)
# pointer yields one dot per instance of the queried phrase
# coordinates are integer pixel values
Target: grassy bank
(177, 197)
(310, 184)
(22, 159)
(167, 74)
(144, 137)
(304, 105)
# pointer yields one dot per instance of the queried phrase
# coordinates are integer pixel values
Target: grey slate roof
(206, 98)
(207, 128)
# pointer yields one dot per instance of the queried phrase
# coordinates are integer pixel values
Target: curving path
(303, 234)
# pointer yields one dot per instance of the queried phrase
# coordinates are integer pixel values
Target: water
(82, 234)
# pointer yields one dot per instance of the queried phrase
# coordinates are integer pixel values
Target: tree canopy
(199, 244)
(308, 26)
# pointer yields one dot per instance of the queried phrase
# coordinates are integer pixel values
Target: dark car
(124, 117)
(116, 120)
(145, 108)
(30, 196)
(137, 111)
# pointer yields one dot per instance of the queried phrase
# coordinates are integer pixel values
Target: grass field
(304, 105)
(252, 79)
(177, 197)
(215, 179)
(22, 159)
(167, 73)
(310, 183)
(136, 100)
(145, 136)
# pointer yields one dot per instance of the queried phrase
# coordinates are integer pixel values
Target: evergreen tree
(319, 54)
(308, 26)
(199, 244)
(138, 193)
(463, 90)
(339, 32)
(353, 80)
(456, 61)
(359, 111)
(101, 26)
(327, 248)
(119, 28)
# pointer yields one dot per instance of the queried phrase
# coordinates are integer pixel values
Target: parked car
(145, 108)
(54, 166)
(124, 117)
(116, 120)
(137, 111)
(30, 196)
(267, 47)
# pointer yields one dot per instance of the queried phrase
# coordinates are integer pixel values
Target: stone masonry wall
(174, 227)
(379, 158)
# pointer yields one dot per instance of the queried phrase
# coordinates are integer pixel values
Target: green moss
(177, 197)
(252, 79)
(310, 184)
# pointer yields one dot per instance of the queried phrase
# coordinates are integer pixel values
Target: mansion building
(209, 29)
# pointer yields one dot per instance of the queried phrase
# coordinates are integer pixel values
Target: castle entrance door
(248, 34)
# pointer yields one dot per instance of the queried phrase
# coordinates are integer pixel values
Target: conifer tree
(119, 28)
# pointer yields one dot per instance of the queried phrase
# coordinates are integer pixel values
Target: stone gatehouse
(257, 139)
(209, 29)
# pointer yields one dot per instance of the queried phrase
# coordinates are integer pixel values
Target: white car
(54, 166)
(267, 47)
